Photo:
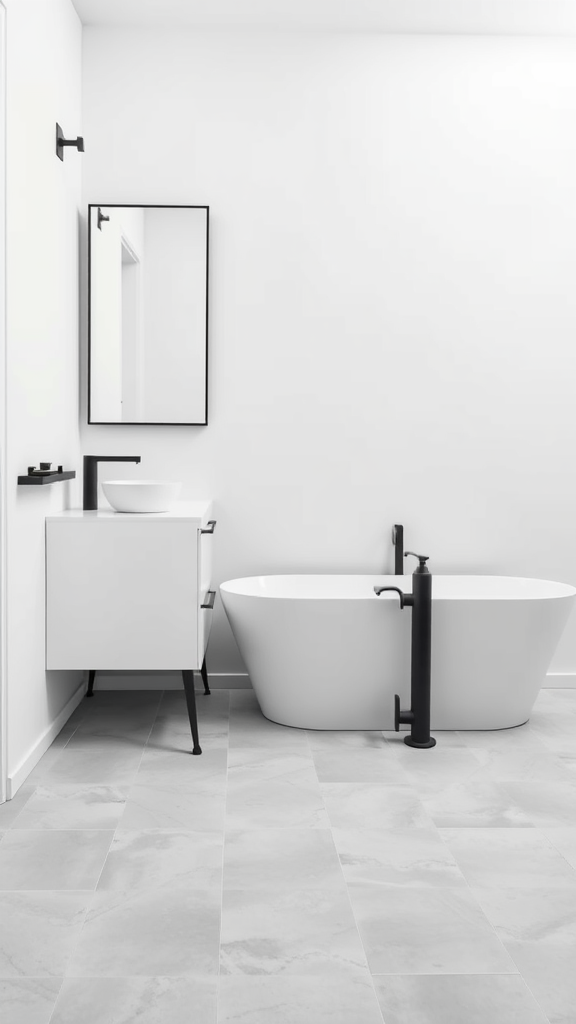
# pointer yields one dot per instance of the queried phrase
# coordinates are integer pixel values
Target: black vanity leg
(188, 677)
(91, 677)
(204, 675)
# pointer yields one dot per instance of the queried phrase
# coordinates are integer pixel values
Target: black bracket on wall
(61, 142)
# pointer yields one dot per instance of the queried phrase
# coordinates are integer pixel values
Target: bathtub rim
(232, 587)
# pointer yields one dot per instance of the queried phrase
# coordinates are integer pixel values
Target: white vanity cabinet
(128, 591)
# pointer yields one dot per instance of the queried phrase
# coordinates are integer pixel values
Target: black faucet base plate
(414, 743)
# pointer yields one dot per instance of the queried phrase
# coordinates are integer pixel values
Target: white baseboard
(15, 780)
(167, 681)
(221, 681)
(561, 680)
(235, 680)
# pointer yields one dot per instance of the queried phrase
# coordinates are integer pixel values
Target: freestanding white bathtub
(324, 652)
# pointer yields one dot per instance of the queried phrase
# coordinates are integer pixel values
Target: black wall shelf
(46, 478)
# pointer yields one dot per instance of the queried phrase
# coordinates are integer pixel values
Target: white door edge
(3, 404)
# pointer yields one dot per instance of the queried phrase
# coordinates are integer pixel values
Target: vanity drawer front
(120, 594)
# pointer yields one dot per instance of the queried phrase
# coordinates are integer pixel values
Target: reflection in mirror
(148, 314)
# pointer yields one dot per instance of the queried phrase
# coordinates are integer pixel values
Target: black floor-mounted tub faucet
(420, 600)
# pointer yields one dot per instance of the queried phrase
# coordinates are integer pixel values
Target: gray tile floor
(289, 877)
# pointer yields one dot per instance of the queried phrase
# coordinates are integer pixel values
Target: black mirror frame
(144, 206)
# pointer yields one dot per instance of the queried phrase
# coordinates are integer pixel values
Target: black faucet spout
(90, 481)
(405, 599)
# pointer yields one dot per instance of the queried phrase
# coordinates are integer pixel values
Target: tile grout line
(518, 972)
(46, 783)
(118, 826)
(94, 890)
(53, 1011)
(436, 829)
(37, 784)
(128, 788)
(369, 972)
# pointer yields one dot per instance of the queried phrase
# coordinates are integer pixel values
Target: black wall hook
(61, 142)
(101, 217)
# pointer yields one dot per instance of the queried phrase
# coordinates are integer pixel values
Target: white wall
(3, 544)
(393, 308)
(43, 201)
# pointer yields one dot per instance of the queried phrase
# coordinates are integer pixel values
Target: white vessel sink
(141, 495)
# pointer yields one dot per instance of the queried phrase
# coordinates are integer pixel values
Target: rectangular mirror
(147, 314)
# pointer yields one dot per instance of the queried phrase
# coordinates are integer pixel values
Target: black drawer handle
(211, 526)
(211, 595)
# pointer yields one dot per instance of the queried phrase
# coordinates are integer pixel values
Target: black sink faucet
(420, 600)
(90, 483)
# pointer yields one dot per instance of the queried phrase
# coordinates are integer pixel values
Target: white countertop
(198, 510)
